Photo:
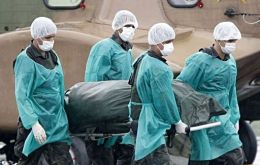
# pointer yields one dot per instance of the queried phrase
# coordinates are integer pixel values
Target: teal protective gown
(109, 61)
(214, 77)
(159, 109)
(40, 97)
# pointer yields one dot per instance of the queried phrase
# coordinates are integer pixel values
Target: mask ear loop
(159, 47)
(220, 45)
(38, 41)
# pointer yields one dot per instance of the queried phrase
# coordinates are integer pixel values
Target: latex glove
(181, 127)
(237, 126)
(39, 133)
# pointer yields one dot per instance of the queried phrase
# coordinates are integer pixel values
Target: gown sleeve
(193, 72)
(164, 99)
(24, 86)
(99, 63)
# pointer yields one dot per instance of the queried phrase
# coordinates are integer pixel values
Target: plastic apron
(40, 97)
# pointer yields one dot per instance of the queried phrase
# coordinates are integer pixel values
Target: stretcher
(100, 109)
(96, 136)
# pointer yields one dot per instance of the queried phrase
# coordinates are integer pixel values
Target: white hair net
(122, 18)
(226, 31)
(159, 33)
(42, 27)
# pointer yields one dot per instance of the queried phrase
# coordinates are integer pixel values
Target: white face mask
(167, 49)
(229, 48)
(127, 33)
(46, 45)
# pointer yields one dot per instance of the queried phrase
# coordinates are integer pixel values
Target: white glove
(181, 127)
(39, 133)
(237, 126)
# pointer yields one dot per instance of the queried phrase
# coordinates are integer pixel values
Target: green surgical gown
(214, 77)
(159, 109)
(40, 97)
(108, 61)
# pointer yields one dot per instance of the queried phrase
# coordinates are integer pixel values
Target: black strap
(135, 109)
(133, 76)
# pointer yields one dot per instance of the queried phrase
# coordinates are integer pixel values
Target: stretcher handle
(200, 127)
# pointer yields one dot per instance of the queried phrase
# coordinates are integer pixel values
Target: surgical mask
(46, 45)
(127, 33)
(167, 49)
(229, 48)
